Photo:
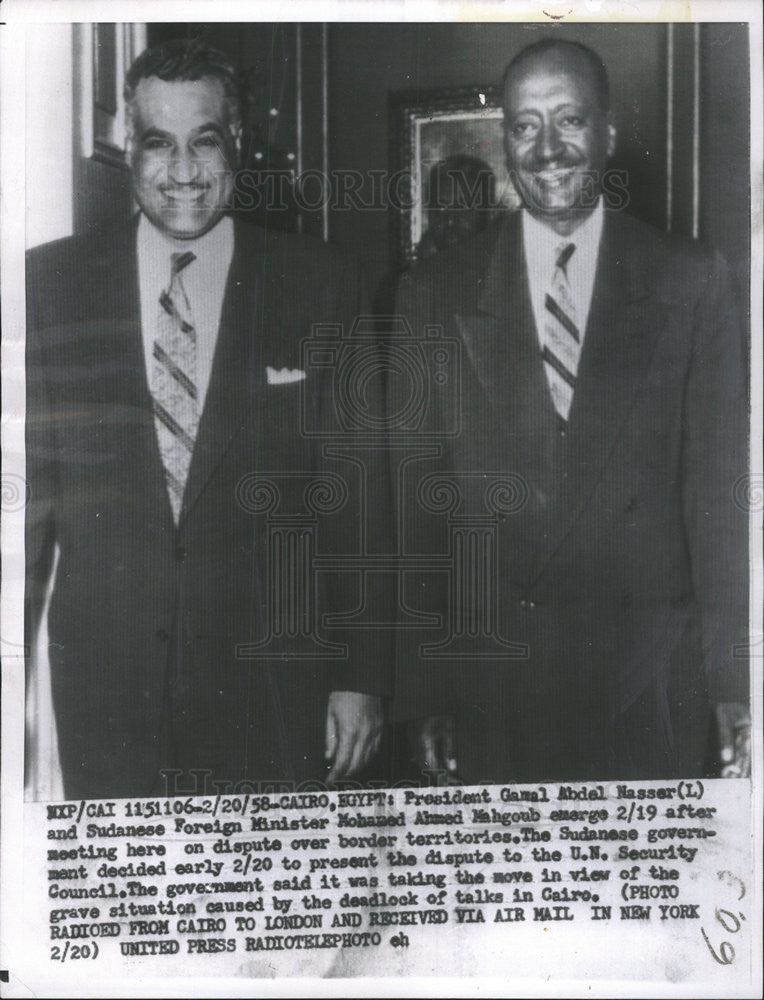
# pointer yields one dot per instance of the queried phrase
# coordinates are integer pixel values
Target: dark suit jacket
(146, 618)
(620, 556)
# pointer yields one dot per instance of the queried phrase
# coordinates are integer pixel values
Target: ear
(611, 135)
(129, 133)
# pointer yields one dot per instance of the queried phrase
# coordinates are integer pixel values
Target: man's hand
(353, 732)
(434, 745)
(734, 722)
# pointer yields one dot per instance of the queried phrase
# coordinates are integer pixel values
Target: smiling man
(183, 141)
(558, 132)
(603, 382)
(149, 404)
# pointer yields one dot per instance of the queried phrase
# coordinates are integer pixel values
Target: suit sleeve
(366, 521)
(422, 687)
(714, 468)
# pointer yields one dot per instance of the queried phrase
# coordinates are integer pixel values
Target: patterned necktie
(173, 382)
(562, 340)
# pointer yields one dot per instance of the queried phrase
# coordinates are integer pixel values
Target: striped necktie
(562, 340)
(173, 382)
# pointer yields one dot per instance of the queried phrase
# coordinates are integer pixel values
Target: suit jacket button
(523, 604)
(180, 553)
(531, 605)
(162, 634)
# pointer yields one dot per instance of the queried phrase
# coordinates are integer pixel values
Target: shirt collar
(541, 242)
(213, 249)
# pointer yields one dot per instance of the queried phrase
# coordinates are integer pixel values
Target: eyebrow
(157, 133)
(209, 127)
(579, 106)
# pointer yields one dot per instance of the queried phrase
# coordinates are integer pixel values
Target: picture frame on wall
(103, 51)
(459, 131)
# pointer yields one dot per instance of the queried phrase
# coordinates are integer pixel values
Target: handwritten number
(732, 926)
(730, 879)
(726, 950)
(730, 930)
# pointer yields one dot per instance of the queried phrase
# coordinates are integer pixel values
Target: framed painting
(102, 54)
(448, 157)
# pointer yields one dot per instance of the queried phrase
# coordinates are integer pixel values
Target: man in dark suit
(164, 375)
(602, 432)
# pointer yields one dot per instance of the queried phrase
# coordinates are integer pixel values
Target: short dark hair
(186, 59)
(594, 61)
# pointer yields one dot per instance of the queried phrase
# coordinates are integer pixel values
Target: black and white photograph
(382, 502)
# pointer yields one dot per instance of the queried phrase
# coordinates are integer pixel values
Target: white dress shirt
(204, 281)
(542, 245)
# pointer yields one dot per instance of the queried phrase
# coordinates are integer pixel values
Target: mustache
(170, 188)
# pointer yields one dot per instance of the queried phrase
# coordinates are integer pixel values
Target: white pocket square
(283, 376)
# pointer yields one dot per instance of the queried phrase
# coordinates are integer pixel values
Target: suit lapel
(234, 372)
(122, 385)
(501, 350)
(622, 331)
(118, 313)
